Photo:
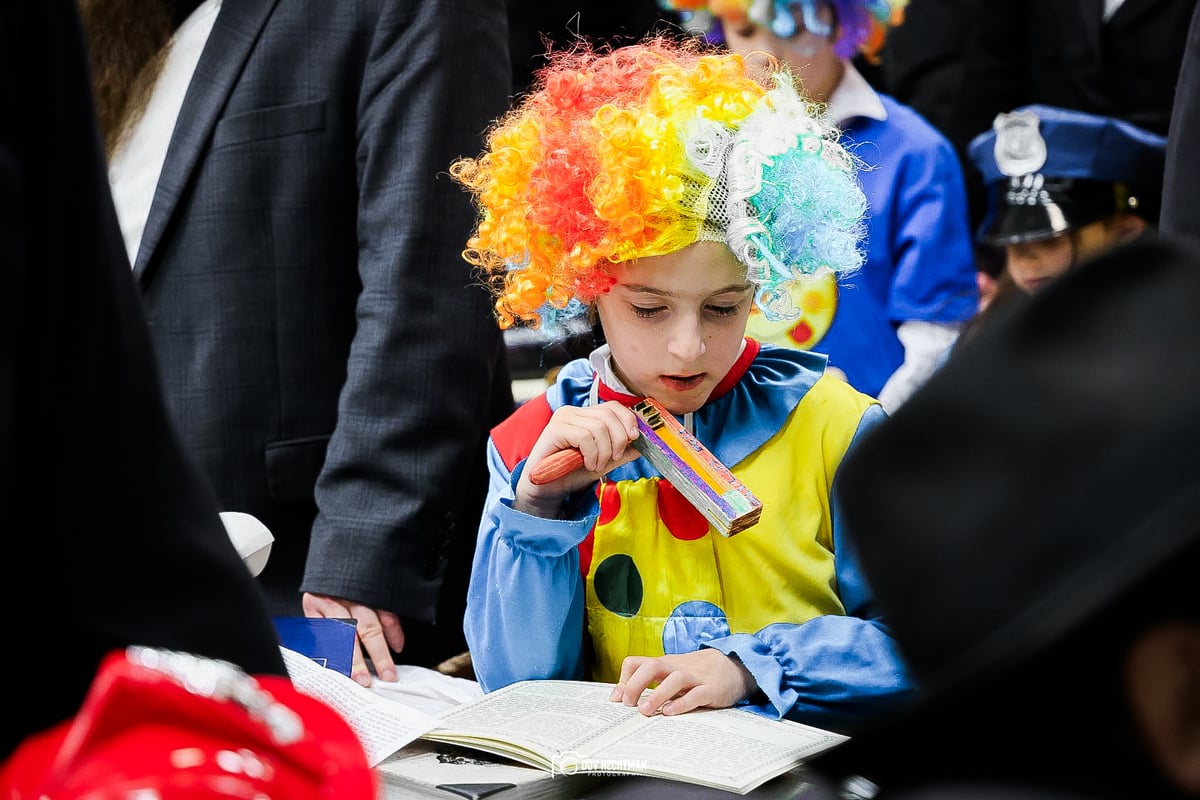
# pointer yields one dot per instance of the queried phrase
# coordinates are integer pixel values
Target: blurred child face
(1034, 264)
(810, 56)
(676, 323)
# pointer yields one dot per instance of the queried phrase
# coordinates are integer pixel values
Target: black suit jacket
(1060, 53)
(961, 63)
(1181, 184)
(302, 273)
(111, 536)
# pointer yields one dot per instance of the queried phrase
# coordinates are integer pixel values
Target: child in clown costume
(665, 190)
(889, 326)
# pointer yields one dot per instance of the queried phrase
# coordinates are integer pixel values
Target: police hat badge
(1020, 148)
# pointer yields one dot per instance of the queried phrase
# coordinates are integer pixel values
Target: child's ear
(1128, 227)
(1162, 672)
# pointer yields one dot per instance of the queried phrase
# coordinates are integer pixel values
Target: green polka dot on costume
(618, 585)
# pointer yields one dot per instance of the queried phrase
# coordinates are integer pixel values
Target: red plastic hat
(173, 726)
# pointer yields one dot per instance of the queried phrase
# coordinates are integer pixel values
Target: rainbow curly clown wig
(862, 24)
(643, 151)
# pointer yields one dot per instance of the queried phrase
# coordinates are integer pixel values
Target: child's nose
(686, 341)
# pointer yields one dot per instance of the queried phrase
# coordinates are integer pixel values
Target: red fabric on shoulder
(749, 353)
(515, 436)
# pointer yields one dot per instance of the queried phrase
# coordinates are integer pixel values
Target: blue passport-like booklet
(327, 641)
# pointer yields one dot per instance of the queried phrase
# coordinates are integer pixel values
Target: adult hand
(377, 634)
(705, 678)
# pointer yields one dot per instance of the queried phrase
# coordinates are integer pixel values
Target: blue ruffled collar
(738, 422)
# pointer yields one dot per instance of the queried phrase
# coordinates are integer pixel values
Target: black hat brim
(1050, 208)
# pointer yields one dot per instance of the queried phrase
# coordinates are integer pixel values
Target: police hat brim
(1019, 216)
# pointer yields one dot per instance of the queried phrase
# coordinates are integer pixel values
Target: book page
(549, 718)
(715, 747)
(383, 726)
(572, 727)
(426, 689)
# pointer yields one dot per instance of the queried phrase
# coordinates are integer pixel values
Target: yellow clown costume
(635, 153)
(660, 579)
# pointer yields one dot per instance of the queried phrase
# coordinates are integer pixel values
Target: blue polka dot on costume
(692, 624)
(618, 585)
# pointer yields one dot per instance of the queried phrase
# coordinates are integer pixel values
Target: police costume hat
(1049, 170)
(1040, 473)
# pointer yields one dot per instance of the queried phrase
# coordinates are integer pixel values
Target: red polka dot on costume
(681, 517)
(610, 502)
(585, 552)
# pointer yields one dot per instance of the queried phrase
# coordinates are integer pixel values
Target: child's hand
(705, 678)
(602, 434)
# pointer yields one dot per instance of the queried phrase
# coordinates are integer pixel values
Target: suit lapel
(233, 36)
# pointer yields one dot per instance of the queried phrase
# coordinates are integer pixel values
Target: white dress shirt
(135, 166)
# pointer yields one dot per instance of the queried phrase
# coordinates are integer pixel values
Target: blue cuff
(539, 535)
(767, 672)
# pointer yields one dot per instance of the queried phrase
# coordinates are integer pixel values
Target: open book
(571, 727)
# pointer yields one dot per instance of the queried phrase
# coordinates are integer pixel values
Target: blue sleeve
(934, 275)
(831, 671)
(524, 616)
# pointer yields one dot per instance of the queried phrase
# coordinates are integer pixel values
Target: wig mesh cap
(780, 192)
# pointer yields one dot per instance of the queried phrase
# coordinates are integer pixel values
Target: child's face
(1034, 264)
(810, 57)
(676, 323)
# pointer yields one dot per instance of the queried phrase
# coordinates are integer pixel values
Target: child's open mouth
(682, 383)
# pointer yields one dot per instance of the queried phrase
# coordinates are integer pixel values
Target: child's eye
(724, 311)
(642, 311)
